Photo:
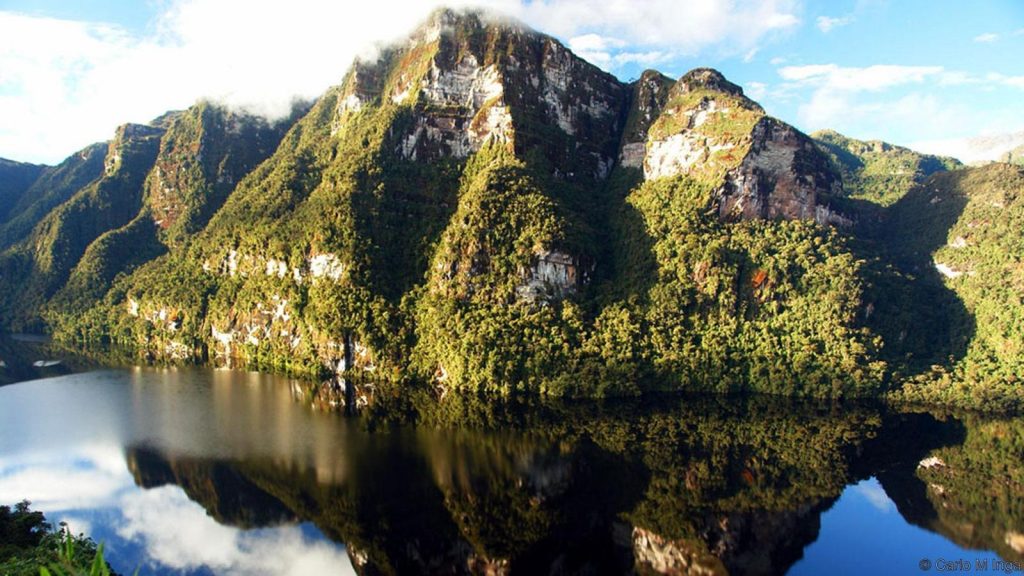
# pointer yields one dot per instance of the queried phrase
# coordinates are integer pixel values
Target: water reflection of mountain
(713, 487)
(228, 496)
(971, 492)
(26, 357)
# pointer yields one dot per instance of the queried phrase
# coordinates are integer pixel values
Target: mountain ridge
(476, 209)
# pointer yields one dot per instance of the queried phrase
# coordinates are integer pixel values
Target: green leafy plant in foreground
(30, 545)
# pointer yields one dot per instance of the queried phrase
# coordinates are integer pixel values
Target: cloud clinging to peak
(66, 84)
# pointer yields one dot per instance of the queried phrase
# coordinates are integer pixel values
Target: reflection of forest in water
(669, 485)
(26, 357)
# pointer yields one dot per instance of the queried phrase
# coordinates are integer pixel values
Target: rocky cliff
(704, 127)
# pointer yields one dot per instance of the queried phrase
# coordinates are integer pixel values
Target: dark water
(213, 471)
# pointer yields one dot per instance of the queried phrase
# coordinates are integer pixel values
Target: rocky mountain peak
(708, 79)
(703, 127)
(471, 78)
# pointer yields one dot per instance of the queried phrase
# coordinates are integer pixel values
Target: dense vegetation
(876, 171)
(372, 232)
(964, 227)
(975, 488)
(15, 179)
(29, 545)
(54, 186)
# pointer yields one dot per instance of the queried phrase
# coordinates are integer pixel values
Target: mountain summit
(475, 208)
(475, 78)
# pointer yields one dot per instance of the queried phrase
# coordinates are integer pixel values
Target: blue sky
(923, 74)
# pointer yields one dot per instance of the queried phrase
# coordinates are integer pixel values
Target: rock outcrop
(472, 79)
(707, 129)
(207, 150)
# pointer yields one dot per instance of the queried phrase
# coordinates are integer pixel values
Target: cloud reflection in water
(92, 488)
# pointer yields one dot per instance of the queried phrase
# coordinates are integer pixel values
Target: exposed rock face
(207, 149)
(708, 129)
(128, 136)
(1016, 541)
(273, 324)
(704, 129)
(325, 266)
(553, 275)
(649, 94)
(757, 542)
(463, 109)
(948, 271)
(377, 187)
(780, 177)
(662, 555)
(472, 79)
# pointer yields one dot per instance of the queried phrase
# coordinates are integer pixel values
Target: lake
(203, 471)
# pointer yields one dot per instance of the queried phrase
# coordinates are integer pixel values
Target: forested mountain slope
(478, 209)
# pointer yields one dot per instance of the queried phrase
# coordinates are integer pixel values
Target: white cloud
(596, 48)
(66, 84)
(76, 524)
(957, 78)
(826, 23)
(178, 534)
(872, 101)
(1011, 81)
(595, 42)
(92, 477)
(986, 38)
(778, 60)
(875, 495)
(643, 58)
(687, 28)
(927, 107)
(852, 79)
(90, 487)
(755, 90)
(611, 53)
(987, 146)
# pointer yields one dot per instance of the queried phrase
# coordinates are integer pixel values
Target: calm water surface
(198, 471)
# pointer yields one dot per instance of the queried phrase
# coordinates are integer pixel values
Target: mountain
(54, 186)
(978, 149)
(111, 207)
(478, 209)
(964, 227)
(15, 179)
(876, 171)
(941, 244)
